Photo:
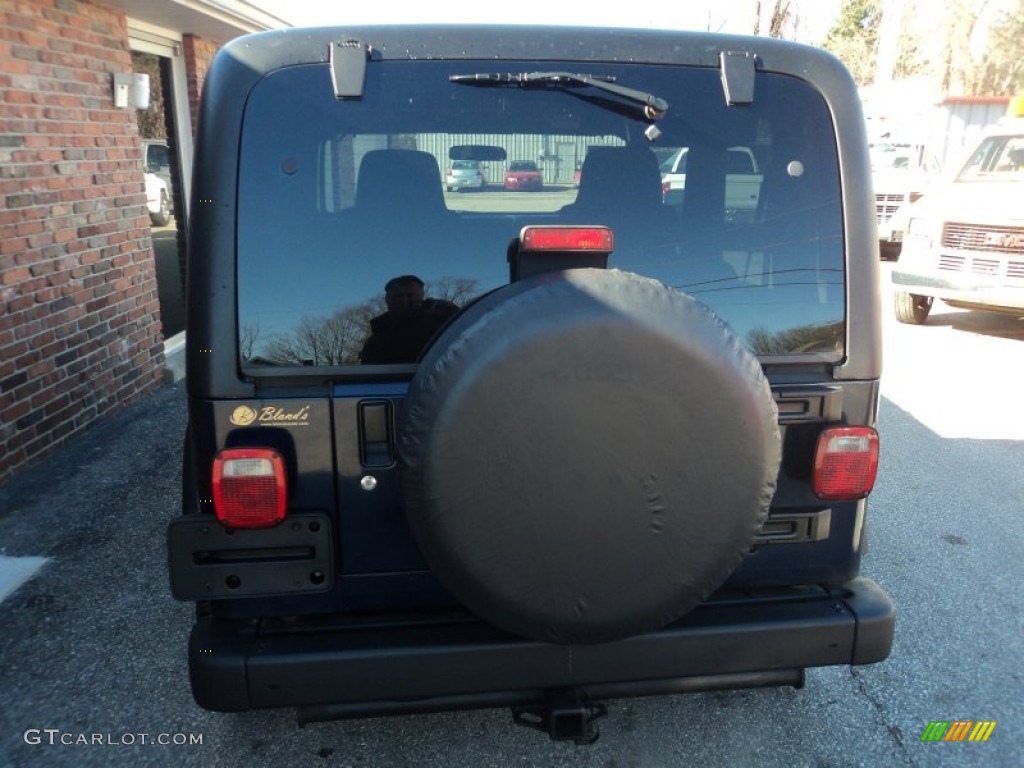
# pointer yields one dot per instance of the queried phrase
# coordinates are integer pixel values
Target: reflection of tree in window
(337, 339)
(802, 339)
(459, 290)
(248, 338)
(332, 340)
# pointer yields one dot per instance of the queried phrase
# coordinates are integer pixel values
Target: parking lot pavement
(92, 646)
(94, 630)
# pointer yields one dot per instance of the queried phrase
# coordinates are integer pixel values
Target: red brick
(15, 412)
(12, 276)
(29, 227)
(73, 226)
(13, 245)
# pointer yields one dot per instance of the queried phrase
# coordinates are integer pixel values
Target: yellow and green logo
(958, 730)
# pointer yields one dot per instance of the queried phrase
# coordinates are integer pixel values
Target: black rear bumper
(379, 668)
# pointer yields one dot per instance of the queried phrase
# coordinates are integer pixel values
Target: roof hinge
(348, 68)
(738, 68)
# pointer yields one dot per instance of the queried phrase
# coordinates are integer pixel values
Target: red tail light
(845, 463)
(558, 238)
(249, 488)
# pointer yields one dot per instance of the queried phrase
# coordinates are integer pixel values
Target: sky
(735, 16)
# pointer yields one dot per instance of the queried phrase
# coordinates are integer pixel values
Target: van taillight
(845, 463)
(249, 487)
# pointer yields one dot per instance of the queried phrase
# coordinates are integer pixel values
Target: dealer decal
(270, 415)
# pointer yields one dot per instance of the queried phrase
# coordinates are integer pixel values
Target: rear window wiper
(654, 107)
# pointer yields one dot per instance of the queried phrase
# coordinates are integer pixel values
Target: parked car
(157, 159)
(523, 176)
(965, 239)
(742, 182)
(464, 174)
(629, 453)
(158, 200)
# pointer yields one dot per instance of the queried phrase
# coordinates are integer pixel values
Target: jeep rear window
(751, 224)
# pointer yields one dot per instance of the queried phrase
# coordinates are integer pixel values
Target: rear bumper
(969, 289)
(460, 183)
(380, 668)
(523, 185)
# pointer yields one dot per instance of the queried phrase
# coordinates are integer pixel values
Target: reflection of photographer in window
(400, 334)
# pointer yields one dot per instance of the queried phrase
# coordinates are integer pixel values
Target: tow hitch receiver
(567, 713)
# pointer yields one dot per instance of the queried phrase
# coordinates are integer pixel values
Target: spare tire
(585, 455)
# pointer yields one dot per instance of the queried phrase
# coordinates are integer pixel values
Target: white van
(965, 240)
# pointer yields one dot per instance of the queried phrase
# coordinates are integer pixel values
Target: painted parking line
(15, 571)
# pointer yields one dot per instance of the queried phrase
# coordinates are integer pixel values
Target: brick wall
(79, 315)
(198, 54)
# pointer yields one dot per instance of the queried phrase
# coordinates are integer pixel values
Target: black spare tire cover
(585, 455)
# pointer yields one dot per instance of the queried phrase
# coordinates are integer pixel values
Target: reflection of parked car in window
(157, 159)
(965, 238)
(742, 182)
(523, 175)
(464, 174)
(900, 174)
(158, 201)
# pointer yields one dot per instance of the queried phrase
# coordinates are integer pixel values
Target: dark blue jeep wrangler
(612, 437)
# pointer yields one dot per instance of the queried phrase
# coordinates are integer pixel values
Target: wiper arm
(654, 107)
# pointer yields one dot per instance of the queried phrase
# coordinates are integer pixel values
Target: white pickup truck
(742, 181)
(901, 172)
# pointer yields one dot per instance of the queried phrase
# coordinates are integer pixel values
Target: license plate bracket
(211, 562)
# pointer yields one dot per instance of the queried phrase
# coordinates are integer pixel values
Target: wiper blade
(654, 107)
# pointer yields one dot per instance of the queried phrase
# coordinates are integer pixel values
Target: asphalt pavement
(93, 648)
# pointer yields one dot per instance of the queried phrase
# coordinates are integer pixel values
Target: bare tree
(912, 55)
(999, 70)
(338, 339)
(333, 340)
(970, 47)
(805, 338)
(248, 338)
(458, 290)
(780, 18)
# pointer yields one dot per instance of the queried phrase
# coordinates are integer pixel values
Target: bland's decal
(244, 416)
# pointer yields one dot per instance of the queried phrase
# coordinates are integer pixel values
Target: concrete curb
(174, 356)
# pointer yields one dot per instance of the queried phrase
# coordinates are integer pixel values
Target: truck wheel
(162, 216)
(586, 455)
(890, 251)
(912, 308)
